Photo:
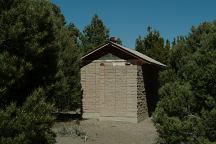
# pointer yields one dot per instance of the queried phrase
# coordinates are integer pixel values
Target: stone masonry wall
(142, 108)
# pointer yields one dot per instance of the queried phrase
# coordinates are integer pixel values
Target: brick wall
(88, 76)
(110, 90)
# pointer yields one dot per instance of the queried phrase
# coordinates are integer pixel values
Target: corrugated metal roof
(134, 52)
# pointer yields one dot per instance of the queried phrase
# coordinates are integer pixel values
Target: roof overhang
(128, 51)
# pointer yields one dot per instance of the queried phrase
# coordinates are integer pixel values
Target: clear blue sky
(127, 19)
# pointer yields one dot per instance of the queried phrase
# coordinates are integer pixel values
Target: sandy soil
(106, 132)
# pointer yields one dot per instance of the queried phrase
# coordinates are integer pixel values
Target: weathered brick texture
(113, 91)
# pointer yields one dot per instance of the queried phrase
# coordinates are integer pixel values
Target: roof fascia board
(128, 52)
(94, 51)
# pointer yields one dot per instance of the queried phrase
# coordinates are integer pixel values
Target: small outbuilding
(119, 83)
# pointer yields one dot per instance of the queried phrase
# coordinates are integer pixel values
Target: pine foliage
(153, 45)
(39, 64)
(187, 109)
(30, 123)
(94, 34)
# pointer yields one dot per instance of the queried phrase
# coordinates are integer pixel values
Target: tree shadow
(151, 74)
(65, 117)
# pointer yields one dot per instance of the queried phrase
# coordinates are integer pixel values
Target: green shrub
(186, 112)
(29, 124)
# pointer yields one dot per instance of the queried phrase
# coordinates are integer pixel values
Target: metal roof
(134, 52)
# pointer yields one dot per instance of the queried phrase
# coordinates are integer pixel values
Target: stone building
(119, 84)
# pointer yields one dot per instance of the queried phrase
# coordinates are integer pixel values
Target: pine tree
(39, 62)
(66, 92)
(29, 46)
(94, 34)
(140, 45)
(186, 111)
(74, 34)
(153, 46)
(30, 123)
(37, 49)
(166, 53)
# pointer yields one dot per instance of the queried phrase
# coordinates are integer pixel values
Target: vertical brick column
(121, 91)
(131, 90)
(89, 87)
(100, 87)
(109, 90)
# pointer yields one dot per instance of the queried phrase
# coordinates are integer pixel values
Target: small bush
(76, 130)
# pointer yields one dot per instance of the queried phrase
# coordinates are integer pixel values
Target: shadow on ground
(66, 117)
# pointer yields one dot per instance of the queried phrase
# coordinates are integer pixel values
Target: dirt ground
(105, 132)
